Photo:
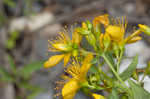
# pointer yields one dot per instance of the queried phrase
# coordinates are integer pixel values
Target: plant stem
(113, 70)
(84, 51)
(142, 78)
(119, 60)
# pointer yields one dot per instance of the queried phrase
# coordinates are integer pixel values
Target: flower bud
(144, 28)
(89, 25)
(82, 31)
(116, 33)
(91, 40)
(104, 41)
(62, 47)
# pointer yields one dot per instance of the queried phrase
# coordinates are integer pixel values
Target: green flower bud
(83, 31)
(91, 40)
(89, 25)
(145, 29)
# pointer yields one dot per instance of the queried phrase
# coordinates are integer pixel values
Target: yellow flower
(97, 96)
(103, 19)
(69, 90)
(64, 45)
(78, 74)
(116, 30)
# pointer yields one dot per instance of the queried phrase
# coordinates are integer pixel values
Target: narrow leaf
(113, 94)
(27, 70)
(110, 58)
(12, 64)
(138, 92)
(5, 76)
(34, 90)
(131, 68)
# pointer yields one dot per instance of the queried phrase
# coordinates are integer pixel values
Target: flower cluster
(107, 39)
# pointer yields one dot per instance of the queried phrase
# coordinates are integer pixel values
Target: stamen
(57, 94)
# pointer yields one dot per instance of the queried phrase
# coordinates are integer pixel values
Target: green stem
(84, 51)
(113, 70)
(142, 78)
(119, 60)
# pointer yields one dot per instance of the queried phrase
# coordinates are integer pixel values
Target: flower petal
(134, 39)
(52, 61)
(61, 46)
(103, 19)
(86, 64)
(101, 41)
(69, 90)
(84, 25)
(66, 58)
(116, 33)
(97, 96)
(76, 38)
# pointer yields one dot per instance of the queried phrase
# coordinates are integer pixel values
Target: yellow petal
(101, 41)
(76, 38)
(66, 58)
(103, 19)
(84, 25)
(136, 33)
(52, 61)
(61, 47)
(134, 39)
(97, 96)
(69, 90)
(115, 32)
(143, 27)
(86, 64)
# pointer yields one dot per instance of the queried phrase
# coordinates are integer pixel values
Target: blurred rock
(31, 23)
(141, 49)
(44, 96)
(147, 83)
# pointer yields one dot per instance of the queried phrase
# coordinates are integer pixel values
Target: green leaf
(33, 94)
(27, 70)
(34, 90)
(131, 68)
(111, 59)
(93, 69)
(11, 42)
(12, 64)
(5, 76)
(113, 94)
(2, 18)
(10, 3)
(138, 92)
